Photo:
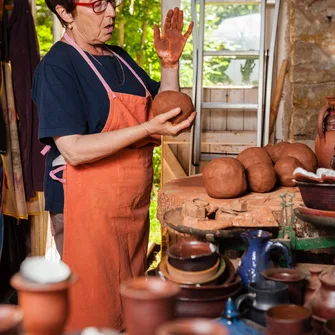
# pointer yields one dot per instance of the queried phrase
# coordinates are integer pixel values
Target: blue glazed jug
(257, 256)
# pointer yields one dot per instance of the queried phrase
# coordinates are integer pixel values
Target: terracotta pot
(294, 279)
(10, 320)
(147, 303)
(45, 306)
(323, 301)
(325, 140)
(329, 327)
(313, 282)
(288, 319)
(192, 327)
(168, 100)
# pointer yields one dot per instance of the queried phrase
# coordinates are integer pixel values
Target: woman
(94, 108)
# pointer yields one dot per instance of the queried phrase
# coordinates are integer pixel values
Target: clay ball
(224, 178)
(302, 153)
(261, 177)
(284, 169)
(168, 100)
(254, 155)
(275, 151)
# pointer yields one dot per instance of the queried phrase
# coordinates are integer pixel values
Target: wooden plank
(243, 137)
(172, 167)
(184, 155)
(250, 117)
(235, 117)
(227, 148)
(218, 119)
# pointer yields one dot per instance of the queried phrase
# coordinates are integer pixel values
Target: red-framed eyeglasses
(99, 6)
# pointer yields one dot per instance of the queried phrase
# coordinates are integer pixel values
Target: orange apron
(106, 219)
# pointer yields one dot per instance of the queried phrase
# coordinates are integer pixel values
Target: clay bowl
(10, 320)
(197, 326)
(191, 280)
(190, 255)
(193, 277)
(288, 319)
(325, 199)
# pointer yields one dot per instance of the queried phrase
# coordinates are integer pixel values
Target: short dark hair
(69, 6)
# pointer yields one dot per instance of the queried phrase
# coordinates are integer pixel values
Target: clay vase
(45, 306)
(294, 279)
(196, 326)
(323, 301)
(147, 303)
(313, 283)
(168, 100)
(10, 320)
(325, 140)
(288, 319)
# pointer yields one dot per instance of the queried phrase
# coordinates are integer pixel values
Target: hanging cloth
(24, 57)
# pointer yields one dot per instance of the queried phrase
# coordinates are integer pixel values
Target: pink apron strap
(45, 150)
(131, 69)
(52, 174)
(89, 62)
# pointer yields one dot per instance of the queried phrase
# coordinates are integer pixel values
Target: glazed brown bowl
(191, 255)
(317, 195)
(196, 326)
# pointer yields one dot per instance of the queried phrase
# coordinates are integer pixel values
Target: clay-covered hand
(160, 124)
(170, 45)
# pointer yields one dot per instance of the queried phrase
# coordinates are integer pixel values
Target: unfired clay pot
(195, 326)
(325, 140)
(261, 177)
(168, 100)
(275, 151)
(323, 301)
(254, 155)
(284, 168)
(302, 153)
(147, 303)
(45, 306)
(313, 283)
(10, 320)
(224, 178)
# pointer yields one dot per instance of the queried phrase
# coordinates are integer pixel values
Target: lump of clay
(284, 168)
(302, 153)
(275, 151)
(261, 177)
(224, 178)
(168, 100)
(254, 155)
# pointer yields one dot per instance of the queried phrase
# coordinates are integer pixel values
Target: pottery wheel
(182, 195)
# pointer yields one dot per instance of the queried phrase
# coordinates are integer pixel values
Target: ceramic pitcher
(325, 140)
(257, 255)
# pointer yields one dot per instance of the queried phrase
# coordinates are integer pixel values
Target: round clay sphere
(254, 155)
(284, 169)
(302, 153)
(275, 151)
(168, 100)
(224, 178)
(261, 177)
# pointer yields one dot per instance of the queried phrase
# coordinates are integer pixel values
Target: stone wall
(310, 40)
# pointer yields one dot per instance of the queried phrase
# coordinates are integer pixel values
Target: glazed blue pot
(257, 255)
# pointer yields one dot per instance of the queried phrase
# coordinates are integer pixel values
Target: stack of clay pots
(206, 278)
(258, 169)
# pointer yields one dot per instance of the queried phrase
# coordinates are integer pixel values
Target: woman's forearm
(81, 149)
(169, 78)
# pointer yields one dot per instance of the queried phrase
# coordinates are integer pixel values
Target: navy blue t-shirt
(71, 100)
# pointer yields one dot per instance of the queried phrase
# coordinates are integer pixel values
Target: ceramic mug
(288, 319)
(263, 295)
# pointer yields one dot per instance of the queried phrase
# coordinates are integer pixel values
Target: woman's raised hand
(170, 45)
(160, 124)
